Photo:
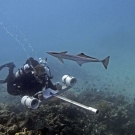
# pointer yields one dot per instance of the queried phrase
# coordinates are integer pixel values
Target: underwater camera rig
(47, 94)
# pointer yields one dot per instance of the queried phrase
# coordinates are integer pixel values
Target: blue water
(94, 27)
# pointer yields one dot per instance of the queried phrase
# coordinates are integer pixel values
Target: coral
(116, 116)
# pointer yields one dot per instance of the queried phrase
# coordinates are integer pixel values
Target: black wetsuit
(26, 84)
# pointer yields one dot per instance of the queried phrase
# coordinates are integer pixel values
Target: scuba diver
(29, 79)
(32, 83)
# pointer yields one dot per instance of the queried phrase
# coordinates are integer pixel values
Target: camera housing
(69, 80)
(30, 102)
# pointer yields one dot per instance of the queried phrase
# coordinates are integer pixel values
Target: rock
(12, 130)
(2, 133)
(2, 128)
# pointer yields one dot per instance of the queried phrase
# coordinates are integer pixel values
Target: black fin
(9, 65)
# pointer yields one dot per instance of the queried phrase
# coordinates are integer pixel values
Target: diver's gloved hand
(58, 86)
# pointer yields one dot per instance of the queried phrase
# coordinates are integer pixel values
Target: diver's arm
(51, 85)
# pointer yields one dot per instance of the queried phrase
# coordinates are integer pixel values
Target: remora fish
(80, 58)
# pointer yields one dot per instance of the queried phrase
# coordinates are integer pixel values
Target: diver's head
(39, 72)
(32, 62)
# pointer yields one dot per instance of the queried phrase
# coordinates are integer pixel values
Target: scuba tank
(23, 70)
(47, 69)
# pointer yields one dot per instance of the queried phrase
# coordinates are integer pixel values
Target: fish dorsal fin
(85, 56)
(80, 54)
(64, 52)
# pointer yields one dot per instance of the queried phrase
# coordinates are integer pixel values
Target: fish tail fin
(106, 61)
